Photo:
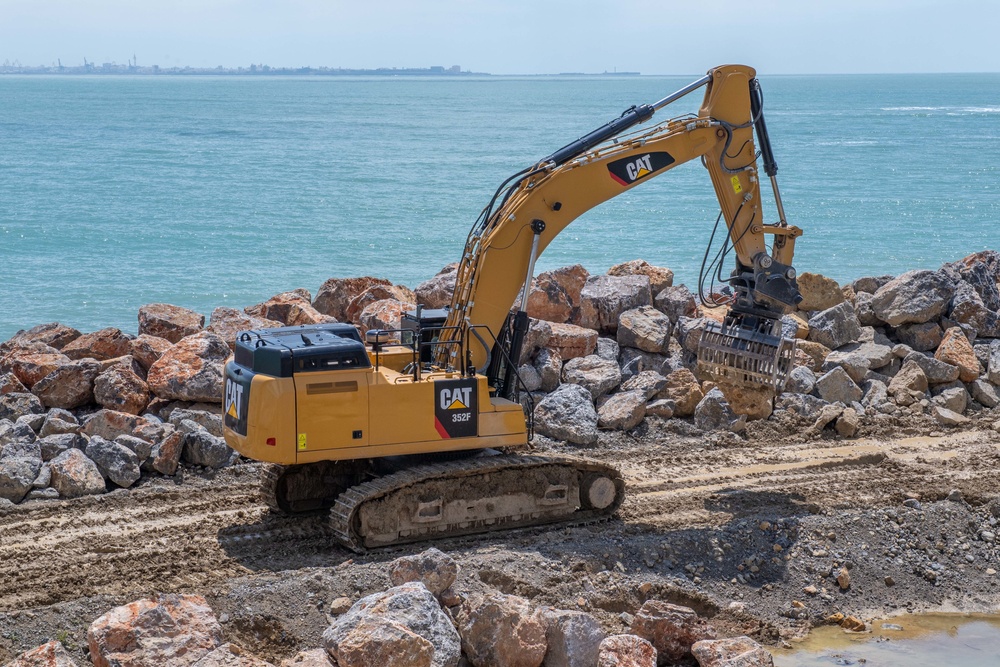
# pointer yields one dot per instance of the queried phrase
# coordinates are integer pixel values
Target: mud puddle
(925, 640)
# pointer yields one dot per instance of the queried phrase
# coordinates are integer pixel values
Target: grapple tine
(730, 353)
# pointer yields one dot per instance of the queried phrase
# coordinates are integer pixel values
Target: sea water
(207, 191)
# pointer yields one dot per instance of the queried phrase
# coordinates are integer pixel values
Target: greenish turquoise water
(120, 191)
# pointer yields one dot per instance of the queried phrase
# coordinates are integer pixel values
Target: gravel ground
(751, 530)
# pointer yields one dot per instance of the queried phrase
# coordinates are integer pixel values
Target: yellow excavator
(411, 434)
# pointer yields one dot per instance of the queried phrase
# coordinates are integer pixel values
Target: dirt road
(751, 531)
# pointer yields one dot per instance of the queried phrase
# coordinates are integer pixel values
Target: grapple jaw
(743, 352)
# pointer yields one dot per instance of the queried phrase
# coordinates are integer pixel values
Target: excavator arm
(537, 204)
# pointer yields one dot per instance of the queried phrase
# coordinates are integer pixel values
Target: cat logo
(234, 397)
(629, 170)
(456, 408)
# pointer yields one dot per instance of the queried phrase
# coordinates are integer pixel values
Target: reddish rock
(164, 320)
(684, 390)
(336, 294)
(69, 386)
(128, 362)
(192, 370)
(75, 475)
(502, 631)
(104, 344)
(147, 349)
(438, 291)
(378, 293)
(53, 334)
(167, 455)
(659, 277)
(228, 322)
(290, 308)
(231, 655)
(175, 630)
(384, 314)
(571, 341)
(121, 389)
(47, 655)
(818, 292)
(29, 368)
(812, 354)
(9, 383)
(626, 651)
(955, 349)
(435, 569)
(378, 642)
(109, 424)
(732, 652)
(555, 295)
(671, 629)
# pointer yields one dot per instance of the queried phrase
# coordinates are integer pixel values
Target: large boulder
(164, 320)
(383, 314)
(993, 363)
(915, 296)
(671, 629)
(147, 349)
(675, 302)
(567, 414)
(436, 292)
(109, 424)
(650, 383)
(201, 448)
(837, 386)
(336, 294)
(120, 389)
(31, 367)
(379, 642)
(835, 326)
(53, 445)
(571, 341)
(644, 328)
(622, 411)
(684, 390)
(548, 364)
(16, 476)
(598, 376)
(604, 298)
(659, 277)
(937, 371)
(502, 631)
(108, 343)
(115, 462)
(411, 606)
(51, 334)
(70, 386)
(176, 630)
(626, 651)
(51, 654)
(192, 370)
(731, 652)
(955, 349)
(968, 308)
(15, 404)
(753, 402)
(922, 337)
(535, 338)
(909, 384)
(378, 293)
(818, 292)
(227, 323)
(573, 637)
(10, 384)
(555, 295)
(713, 414)
(433, 568)
(75, 475)
(290, 308)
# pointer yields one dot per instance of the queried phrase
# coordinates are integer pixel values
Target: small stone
(844, 579)
(852, 624)
(340, 606)
(810, 590)
(889, 581)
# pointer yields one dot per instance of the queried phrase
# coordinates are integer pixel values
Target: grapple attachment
(745, 356)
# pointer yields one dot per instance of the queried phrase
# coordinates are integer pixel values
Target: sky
(512, 36)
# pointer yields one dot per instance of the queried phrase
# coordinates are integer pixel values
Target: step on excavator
(414, 434)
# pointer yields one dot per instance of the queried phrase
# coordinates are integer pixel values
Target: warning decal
(456, 408)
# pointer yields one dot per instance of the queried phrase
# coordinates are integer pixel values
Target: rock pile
(420, 622)
(603, 352)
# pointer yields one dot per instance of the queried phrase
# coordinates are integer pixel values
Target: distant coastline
(89, 68)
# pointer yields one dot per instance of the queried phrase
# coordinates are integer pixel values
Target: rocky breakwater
(422, 620)
(614, 352)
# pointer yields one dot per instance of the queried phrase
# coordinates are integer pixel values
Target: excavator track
(308, 488)
(475, 495)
